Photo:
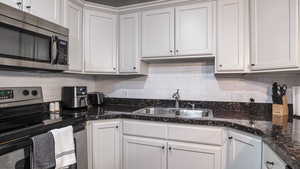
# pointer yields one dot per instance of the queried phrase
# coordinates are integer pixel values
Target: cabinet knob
(230, 138)
(28, 7)
(19, 4)
(170, 148)
(134, 68)
(114, 68)
(220, 65)
(163, 147)
(171, 51)
(270, 163)
(252, 64)
(177, 51)
(117, 127)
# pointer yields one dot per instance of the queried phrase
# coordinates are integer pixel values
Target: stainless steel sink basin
(173, 112)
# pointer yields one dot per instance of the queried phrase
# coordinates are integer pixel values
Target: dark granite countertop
(285, 142)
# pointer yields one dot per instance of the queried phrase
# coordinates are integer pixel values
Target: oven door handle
(54, 49)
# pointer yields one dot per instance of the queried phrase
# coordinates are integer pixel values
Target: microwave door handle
(54, 49)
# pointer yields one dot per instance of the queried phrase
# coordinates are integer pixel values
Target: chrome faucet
(192, 105)
(176, 96)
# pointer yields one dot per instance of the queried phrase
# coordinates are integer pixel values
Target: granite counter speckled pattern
(286, 143)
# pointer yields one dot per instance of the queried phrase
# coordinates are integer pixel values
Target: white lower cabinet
(115, 146)
(194, 156)
(271, 160)
(13, 3)
(104, 145)
(244, 151)
(144, 153)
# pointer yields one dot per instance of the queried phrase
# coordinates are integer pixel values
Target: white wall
(51, 82)
(196, 81)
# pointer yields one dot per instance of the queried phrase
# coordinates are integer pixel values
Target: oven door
(18, 159)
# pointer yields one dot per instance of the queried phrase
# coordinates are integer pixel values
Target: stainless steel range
(23, 114)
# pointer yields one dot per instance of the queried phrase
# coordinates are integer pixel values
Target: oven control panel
(20, 96)
(6, 94)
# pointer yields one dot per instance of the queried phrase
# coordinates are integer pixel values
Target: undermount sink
(173, 112)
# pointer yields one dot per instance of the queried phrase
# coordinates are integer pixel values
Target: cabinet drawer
(145, 129)
(195, 134)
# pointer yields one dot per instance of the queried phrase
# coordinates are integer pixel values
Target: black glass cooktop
(24, 116)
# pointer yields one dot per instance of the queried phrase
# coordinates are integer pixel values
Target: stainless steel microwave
(27, 41)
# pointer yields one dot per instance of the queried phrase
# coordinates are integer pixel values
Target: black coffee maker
(74, 97)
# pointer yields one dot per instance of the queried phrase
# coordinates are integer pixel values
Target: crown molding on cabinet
(140, 6)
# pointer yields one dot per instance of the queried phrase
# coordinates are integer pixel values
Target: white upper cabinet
(274, 29)
(194, 156)
(46, 9)
(158, 33)
(233, 35)
(244, 151)
(143, 153)
(195, 29)
(73, 19)
(100, 41)
(129, 53)
(106, 145)
(13, 3)
(191, 34)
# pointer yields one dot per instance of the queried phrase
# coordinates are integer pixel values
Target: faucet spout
(176, 96)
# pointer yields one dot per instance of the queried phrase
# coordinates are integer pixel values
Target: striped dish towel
(64, 147)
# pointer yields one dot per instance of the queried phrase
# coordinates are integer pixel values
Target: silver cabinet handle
(270, 164)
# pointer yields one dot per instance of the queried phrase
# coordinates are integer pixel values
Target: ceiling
(118, 3)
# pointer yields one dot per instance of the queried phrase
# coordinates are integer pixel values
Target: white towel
(64, 147)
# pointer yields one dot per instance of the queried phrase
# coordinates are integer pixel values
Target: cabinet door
(194, 156)
(271, 160)
(233, 33)
(141, 153)
(194, 29)
(158, 33)
(274, 34)
(100, 42)
(244, 151)
(13, 3)
(46, 9)
(106, 145)
(129, 31)
(73, 19)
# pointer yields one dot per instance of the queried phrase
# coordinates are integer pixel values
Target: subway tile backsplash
(196, 81)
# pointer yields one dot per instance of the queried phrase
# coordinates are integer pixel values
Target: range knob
(34, 93)
(25, 92)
